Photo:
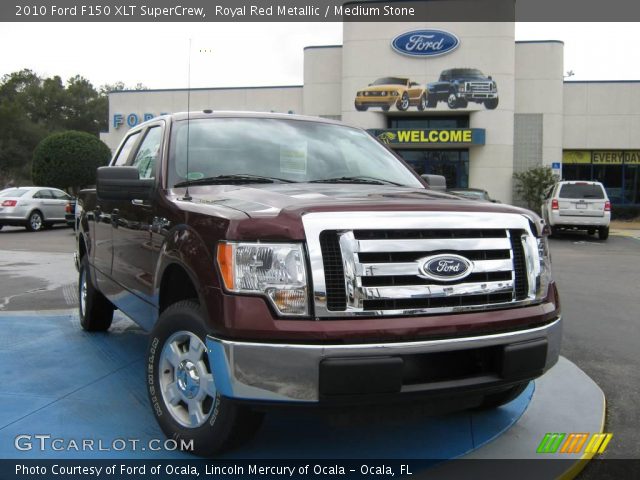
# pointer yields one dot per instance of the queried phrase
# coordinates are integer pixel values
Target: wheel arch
(185, 270)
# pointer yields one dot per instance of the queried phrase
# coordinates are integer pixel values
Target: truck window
(125, 150)
(145, 160)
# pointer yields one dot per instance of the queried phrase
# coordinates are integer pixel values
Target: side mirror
(435, 182)
(122, 183)
(490, 77)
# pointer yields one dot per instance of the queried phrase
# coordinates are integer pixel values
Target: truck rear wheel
(182, 389)
(96, 312)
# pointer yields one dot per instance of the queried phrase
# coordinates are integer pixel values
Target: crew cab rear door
(105, 212)
(581, 199)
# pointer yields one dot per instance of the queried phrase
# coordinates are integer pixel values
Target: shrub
(69, 160)
(531, 185)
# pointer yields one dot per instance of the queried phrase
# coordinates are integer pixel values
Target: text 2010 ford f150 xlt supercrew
(277, 258)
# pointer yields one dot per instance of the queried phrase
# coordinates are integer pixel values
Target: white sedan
(32, 207)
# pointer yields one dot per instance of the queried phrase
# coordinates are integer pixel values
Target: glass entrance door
(452, 164)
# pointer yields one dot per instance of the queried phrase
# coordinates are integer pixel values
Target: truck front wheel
(491, 103)
(182, 387)
(96, 312)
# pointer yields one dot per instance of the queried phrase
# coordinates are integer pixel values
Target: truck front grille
(483, 87)
(380, 271)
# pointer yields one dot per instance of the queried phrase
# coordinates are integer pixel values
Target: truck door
(133, 251)
(104, 211)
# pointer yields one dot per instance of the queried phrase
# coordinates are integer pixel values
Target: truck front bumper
(308, 373)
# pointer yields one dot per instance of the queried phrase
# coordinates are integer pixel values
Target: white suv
(578, 205)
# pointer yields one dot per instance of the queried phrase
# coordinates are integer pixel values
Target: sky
(255, 54)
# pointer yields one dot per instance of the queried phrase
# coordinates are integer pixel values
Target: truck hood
(296, 199)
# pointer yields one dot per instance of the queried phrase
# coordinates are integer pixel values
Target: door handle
(139, 203)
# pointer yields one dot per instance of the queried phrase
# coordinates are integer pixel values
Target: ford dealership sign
(425, 43)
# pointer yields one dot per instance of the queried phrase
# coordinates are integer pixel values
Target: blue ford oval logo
(446, 267)
(425, 43)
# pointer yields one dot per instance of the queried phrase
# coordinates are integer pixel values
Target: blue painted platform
(59, 380)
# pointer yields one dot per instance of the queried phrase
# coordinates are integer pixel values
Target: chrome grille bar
(413, 268)
(430, 245)
(429, 291)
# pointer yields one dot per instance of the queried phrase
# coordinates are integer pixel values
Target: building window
(617, 170)
(632, 184)
(457, 121)
(452, 164)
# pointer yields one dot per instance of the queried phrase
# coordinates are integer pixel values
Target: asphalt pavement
(599, 284)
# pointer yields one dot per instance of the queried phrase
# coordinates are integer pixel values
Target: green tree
(32, 107)
(531, 184)
(68, 160)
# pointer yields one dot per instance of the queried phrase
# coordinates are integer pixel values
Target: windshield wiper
(237, 178)
(357, 179)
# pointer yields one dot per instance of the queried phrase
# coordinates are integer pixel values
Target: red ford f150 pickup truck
(279, 258)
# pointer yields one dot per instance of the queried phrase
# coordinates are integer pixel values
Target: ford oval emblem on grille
(445, 267)
(425, 43)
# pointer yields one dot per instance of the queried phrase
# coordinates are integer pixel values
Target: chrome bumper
(290, 372)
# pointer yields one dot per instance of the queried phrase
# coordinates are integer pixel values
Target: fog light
(289, 302)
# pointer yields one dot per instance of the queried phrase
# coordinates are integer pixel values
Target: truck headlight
(276, 270)
(494, 87)
(545, 267)
(461, 87)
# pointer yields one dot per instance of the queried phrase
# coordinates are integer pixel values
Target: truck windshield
(468, 73)
(289, 150)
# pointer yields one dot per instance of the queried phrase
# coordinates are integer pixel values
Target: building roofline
(601, 81)
(540, 41)
(309, 47)
(205, 88)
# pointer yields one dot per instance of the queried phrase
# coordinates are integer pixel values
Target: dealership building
(463, 100)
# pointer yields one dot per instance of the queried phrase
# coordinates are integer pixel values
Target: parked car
(472, 194)
(387, 91)
(70, 212)
(578, 205)
(33, 207)
(294, 260)
(459, 86)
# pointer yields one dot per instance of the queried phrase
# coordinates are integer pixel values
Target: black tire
(224, 424)
(385, 108)
(452, 100)
(360, 108)
(491, 103)
(422, 103)
(35, 222)
(1, 226)
(404, 102)
(97, 313)
(603, 233)
(432, 102)
(495, 400)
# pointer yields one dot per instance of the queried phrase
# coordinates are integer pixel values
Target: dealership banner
(317, 11)
(552, 466)
(430, 136)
